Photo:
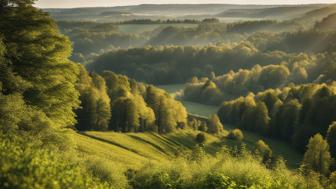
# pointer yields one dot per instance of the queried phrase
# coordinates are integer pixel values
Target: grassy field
(135, 149)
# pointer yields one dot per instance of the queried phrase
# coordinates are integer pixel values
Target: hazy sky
(107, 3)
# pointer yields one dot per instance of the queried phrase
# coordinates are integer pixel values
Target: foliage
(35, 64)
(264, 151)
(331, 139)
(200, 138)
(177, 64)
(138, 107)
(225, 171)
(317, 157)
(236, 134)
(292, 113)
(25, 163)
(215, 126)
(95, 111)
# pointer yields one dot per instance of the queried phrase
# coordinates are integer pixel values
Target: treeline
(218, 32)
(176, 64)
(293, 113)
(302, 68)
(114, 102)
(312, 41)
(91, 39)
(170, 21)
(262, 25)
(315, 38)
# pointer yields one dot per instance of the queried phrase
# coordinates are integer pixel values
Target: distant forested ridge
(176, 64)
(299, 69)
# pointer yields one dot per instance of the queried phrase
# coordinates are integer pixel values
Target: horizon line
(238, 4)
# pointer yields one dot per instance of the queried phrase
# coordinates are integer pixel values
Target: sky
(109, 3)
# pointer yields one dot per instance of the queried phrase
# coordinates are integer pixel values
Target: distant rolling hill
(280, 12)
(169, 11)
(327, 24)
(316, 14)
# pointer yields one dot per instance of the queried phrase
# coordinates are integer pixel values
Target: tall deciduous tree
(215, 126)
(317, 157)
(331, 139)
(95, 111)
(36, 61)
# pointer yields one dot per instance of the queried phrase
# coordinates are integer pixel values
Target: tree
(236, 134)
(12, 3)
(200, 138)
(95, 111)
(264, 150)
(215, 126)
(289, 117)
(317, 157)
(262, 118)
(37, 62)
(331, 138)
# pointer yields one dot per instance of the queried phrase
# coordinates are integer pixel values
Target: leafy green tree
(168, 112)
(37, 61)
(317, 157)
(331, 139)
(262, 118)
(95, 111)
(265, 151)
(236, 134)
(288, 118)
(215, 125)
(200, 138)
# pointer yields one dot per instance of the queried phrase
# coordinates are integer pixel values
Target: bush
(200, 138)
(225, 171)
(236, 134)
(28, 165)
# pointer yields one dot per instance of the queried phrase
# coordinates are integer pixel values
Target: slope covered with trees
(293, 113)
(299, 69)
(176, 64)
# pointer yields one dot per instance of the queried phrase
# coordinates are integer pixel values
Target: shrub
(236, 134)
(200, 138)
(26, 164)
(264, 151)
(225, 171)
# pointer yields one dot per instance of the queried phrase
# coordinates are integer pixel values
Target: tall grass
(223, 171)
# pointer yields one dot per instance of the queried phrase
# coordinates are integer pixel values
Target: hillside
(327, 23)
(316, 15)
(133, 149)
(280, 12)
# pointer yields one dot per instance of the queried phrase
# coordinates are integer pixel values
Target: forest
(168, 96)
